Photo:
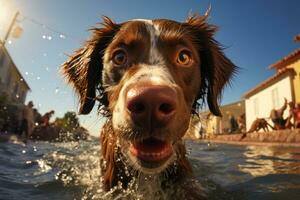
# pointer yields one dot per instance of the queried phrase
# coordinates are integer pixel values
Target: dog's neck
(116, 172)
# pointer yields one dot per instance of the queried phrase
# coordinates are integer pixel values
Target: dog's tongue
(151, 149)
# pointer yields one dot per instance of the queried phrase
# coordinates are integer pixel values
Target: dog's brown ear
(83, 68)
(216, 68)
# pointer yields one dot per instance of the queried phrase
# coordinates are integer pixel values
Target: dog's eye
(184, 57)
(119, 57)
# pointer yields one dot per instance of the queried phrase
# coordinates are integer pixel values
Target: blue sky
(255, 33)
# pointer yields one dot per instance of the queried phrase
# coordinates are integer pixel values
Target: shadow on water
(42, 170)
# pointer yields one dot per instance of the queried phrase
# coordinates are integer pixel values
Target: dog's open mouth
(151, 151)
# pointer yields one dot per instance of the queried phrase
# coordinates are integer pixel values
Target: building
(216, 125)
(270, 94)
(12, 83)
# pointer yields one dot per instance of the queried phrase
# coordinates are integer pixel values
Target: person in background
(46, 118)
(297, 116)
(294, 114)
(277, 116)
(37, 117)
(27, 120)
(242, 122)
(233, 124)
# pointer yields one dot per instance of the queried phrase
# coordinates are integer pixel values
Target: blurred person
(37, 117)
(46, 118)
(297, 116)
(242, 122)
(233, 124)
(27, 120)
(294, 115)
(276, 116)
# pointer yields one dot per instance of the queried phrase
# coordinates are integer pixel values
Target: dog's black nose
(151, 106)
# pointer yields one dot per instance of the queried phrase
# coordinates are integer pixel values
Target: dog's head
(151, 75)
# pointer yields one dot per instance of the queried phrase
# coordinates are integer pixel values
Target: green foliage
(70, 128)
(69, 122)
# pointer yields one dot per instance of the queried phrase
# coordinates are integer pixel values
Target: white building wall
(261, 104)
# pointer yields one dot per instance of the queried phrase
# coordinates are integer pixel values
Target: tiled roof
(267, 82)
(295, 55)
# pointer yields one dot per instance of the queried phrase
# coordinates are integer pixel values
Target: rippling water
(41, 170)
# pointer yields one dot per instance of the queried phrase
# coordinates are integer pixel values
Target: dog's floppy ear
(216, 68)
(83, 68)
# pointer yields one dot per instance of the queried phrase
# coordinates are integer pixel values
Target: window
(275, 99)
(256, 106)
(16, 89)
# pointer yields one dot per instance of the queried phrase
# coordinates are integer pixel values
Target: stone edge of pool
(278, 138)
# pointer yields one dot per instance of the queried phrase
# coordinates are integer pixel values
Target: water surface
(41, 170)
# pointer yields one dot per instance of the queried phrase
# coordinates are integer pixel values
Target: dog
(257, 124)
(260, 123)
(149, 76)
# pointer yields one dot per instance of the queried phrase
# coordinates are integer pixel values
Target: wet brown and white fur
(149, 76)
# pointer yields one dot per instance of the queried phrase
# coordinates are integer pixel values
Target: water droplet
(4, 108)
(49, 37)
(44, 36)
(38, 78)
(56, 90)
(9, 41)
(23, 151)
(39, 105)
(36, 124)
(28, 162)
(17, 96)
(26, 73)
(21, 79)
(34, 148)
(62, 36)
